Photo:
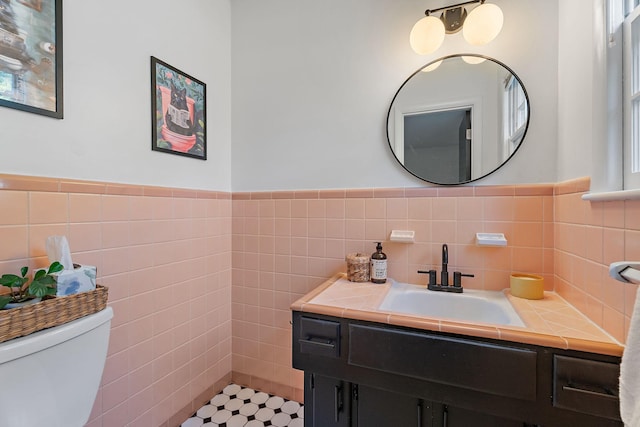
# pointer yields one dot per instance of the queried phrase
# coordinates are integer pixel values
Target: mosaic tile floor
(237, 406)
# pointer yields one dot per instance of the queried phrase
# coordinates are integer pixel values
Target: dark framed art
(31, 56)
(178, 111)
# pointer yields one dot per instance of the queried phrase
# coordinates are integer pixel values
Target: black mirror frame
(526, 95)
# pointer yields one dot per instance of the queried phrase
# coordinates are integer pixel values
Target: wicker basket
(55, 311)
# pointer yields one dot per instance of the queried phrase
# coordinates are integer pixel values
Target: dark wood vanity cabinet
(367, 374)
(330, 400)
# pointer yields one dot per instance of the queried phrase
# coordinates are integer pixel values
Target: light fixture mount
(453, 19)
(453, 16)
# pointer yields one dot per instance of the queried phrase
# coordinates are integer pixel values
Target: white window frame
(631, 96)
(515, 116)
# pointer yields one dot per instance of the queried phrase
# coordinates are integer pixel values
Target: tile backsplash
(165, 256)
(588, 237)
(201, 281)
(287, 243)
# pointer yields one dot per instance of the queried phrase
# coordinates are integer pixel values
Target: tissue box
(80, 279)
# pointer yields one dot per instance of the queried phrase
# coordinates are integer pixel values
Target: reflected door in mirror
(445, 155)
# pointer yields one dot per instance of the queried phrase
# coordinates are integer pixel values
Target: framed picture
(31, 56)
(178, 111)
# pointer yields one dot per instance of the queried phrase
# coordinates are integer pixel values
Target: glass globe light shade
(473, 59)
(483, 24)
(427, 35)
(431, 67)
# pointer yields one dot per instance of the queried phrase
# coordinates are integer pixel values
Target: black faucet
(444, 276)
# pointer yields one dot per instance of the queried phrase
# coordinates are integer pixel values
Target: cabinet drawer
(586, 386)
(500, 370)
(319, 337)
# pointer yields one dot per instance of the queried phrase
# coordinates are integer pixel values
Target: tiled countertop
(550, 322)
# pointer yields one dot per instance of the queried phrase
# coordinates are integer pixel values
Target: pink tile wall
(166, 257)
(590, 236)
(201, 285)
(287, 243)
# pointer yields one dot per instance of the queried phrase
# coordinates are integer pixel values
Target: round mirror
(458, 119)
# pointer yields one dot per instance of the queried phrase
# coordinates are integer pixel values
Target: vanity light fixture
(479, 27)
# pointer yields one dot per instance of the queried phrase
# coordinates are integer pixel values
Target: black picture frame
(178, 111)
(31, 56)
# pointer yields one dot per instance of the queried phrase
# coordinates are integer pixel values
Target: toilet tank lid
(41, 340)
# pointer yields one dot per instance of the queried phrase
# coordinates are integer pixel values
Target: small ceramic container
(527, 286)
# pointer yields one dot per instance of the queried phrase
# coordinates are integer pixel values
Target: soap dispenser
(379, 265)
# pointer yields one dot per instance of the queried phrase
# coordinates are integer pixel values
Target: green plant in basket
(43, 284)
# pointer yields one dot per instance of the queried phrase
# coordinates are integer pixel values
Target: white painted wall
(106, 131)
(583, 149)
(312, 82)
(589, 103)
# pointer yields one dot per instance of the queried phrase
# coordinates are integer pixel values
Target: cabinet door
(379, 408)
(327, 401)
(449, 416)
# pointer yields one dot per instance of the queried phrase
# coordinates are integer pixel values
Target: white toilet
(51, 377)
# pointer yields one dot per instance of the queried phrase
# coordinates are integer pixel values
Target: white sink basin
(470, 306)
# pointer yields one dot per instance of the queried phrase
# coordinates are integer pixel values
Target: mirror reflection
(458, 119)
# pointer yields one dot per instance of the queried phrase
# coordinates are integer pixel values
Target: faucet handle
(457, 278)
(432, 276)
